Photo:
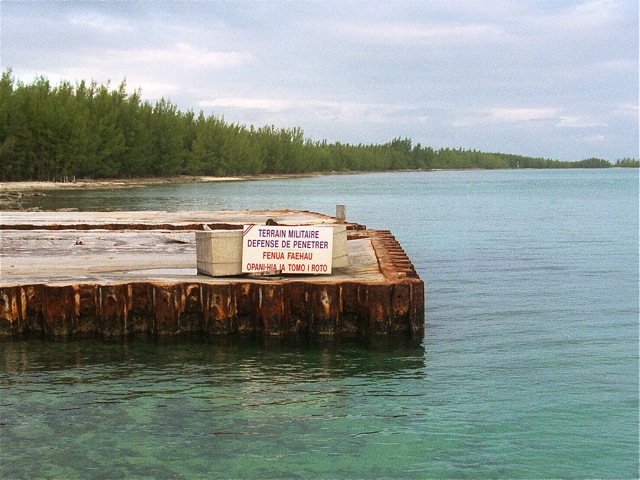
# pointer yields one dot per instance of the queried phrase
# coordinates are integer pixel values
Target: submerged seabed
(528, 368)
(231, 408)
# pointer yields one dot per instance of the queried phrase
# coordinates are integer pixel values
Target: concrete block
(219, 252)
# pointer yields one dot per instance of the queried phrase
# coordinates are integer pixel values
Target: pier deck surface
(109, 247)
(74, 272)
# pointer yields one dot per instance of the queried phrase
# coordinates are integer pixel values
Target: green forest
(96, 131)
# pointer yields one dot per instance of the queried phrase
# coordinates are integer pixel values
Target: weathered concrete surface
(57, 280)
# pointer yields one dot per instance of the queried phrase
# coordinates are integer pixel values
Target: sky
(544, 78)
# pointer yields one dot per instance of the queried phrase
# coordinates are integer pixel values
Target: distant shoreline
(13, 193)
(14, 188)
(112, 183)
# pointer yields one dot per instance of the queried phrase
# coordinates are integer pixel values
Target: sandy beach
(138, 182)
(13, 193)
(6, 187)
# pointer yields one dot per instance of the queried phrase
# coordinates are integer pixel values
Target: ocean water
(528, 367)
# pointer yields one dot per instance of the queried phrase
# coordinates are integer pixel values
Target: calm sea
(528, 367)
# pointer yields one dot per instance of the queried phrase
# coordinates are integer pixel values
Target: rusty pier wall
(237, 308)
(392, 303)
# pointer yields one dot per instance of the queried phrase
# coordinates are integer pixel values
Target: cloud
(599, 138)
(439, 33)
(581, 16)
(617, 65)
(629, 110)
(323, 110)
(268, 104)
(182, 55)
(525, 115)
(159, 71)
(153, 89)
(500, 115)
(507, 115)
(579, 122)
(595, 13)
(97, 22)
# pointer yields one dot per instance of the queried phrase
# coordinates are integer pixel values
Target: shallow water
(528, 367)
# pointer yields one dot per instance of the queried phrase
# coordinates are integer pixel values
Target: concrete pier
(122, 273)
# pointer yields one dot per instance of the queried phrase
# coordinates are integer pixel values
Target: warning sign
(302, 250)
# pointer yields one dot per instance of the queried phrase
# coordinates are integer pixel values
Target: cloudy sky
(549, 78)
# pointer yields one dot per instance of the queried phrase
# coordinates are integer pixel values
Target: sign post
(304, 250)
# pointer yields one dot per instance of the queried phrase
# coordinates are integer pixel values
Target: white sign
(302, 250)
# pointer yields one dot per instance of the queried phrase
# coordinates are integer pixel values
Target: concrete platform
(120, 273)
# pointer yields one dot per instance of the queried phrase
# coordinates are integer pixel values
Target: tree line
(96, 131)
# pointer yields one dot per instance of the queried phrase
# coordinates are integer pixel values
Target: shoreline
(109, 183)
(15, 188)
(13, 193)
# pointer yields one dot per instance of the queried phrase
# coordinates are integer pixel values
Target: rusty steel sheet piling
(104, 283)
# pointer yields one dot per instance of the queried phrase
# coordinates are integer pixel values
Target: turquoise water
(528, 367)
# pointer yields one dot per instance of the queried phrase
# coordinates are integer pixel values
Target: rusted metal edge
(351, 308)
(394, 263)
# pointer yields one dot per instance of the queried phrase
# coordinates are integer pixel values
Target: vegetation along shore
(91, 131)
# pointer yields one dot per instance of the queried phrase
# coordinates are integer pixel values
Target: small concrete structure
(122, 273)
(341, 213)
(219, 252)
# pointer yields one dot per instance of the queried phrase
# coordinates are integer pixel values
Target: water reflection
(262, 356)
